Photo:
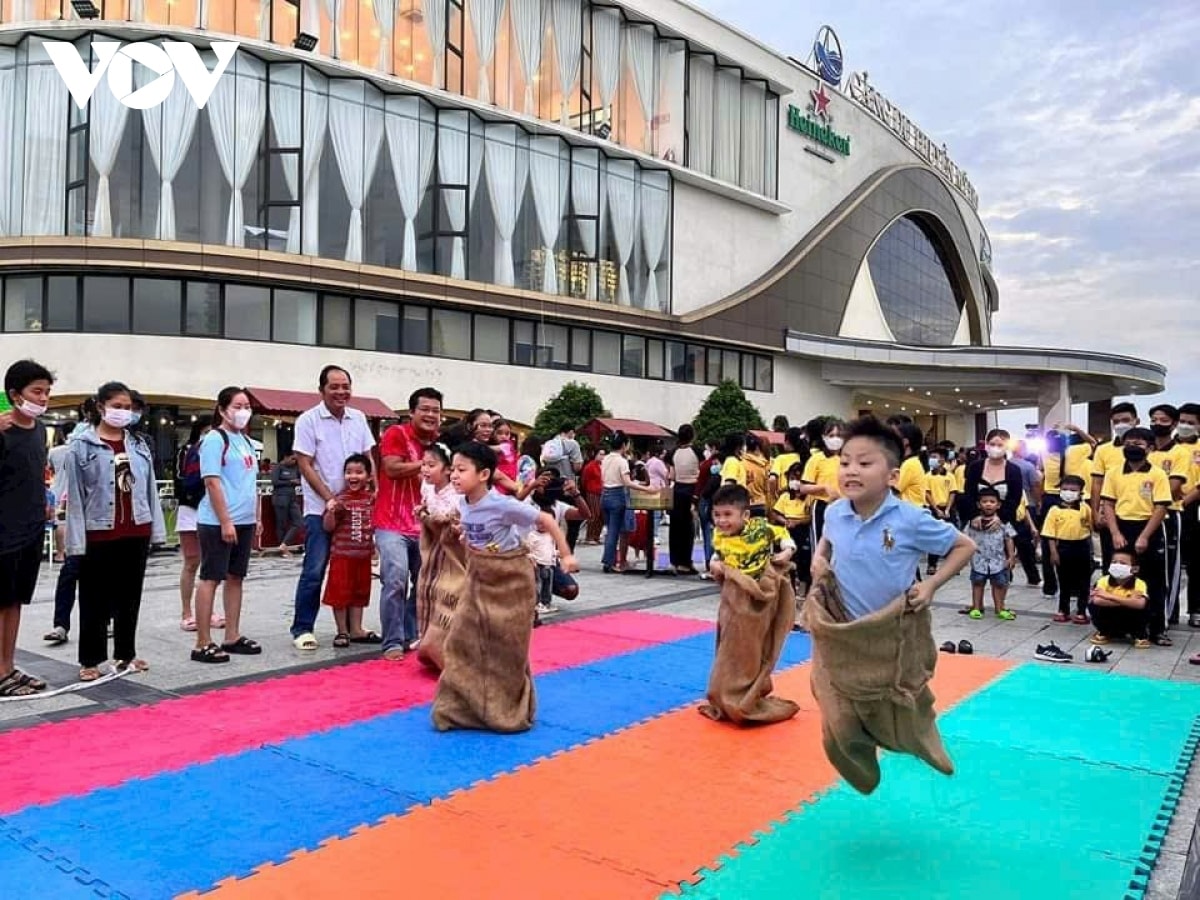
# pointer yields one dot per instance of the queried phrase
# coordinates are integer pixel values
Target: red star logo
(820, 101)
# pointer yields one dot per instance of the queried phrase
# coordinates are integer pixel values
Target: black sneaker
(1051, 653)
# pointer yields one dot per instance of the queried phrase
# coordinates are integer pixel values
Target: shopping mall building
(492, 197)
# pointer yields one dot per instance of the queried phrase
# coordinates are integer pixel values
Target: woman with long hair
(113, 516)
(614, 500)
(189, 491)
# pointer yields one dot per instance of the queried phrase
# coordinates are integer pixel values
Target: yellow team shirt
(960, 478)
(781, 464)
(939, 488)
(733, 470)
(1135, 494)
(1177, 462)
(1065, 524)
(1106, 457)
(756, 478)
(1105, 584)
(911, 486)
(1074, 461)
(823, 470)
(799, 510)
(1194, 449)
(751, 550)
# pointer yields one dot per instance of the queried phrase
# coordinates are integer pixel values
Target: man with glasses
(397, 529)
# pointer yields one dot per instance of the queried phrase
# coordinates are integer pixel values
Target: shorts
(1000, 579)
(349, 583)
(219, 560)
(18, 574)
(185, 519)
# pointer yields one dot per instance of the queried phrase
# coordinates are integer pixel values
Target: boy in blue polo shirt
(873, 649)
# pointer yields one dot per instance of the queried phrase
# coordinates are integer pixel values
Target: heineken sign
(809, 123)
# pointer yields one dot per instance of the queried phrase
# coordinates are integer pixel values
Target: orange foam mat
(647, 807)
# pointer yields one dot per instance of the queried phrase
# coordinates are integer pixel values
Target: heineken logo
(805, 123)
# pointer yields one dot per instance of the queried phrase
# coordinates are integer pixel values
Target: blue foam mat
(261, 805)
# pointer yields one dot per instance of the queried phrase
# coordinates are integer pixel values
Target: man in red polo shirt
(397, 531)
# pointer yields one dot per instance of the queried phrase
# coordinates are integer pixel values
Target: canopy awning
(638, 428)
(288, 403)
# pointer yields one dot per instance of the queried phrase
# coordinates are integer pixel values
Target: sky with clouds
(1078, 123)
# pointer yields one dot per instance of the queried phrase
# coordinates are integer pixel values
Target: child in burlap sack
(486, 681)
(873, 649)
(752, 561)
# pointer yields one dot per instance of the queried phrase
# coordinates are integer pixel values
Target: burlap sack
(753, 621)
(870, 676)
(486, 681)
(442, 580)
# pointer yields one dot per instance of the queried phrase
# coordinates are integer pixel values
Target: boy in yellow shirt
(1119, 603)
(940, 494)
(1175, 459)
(1067, 532)
(793, 511)
(1106, 457)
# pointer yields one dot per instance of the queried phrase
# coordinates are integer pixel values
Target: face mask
(934, 462)
(239, 418)
(794, 485)
(1135, 455)
(833, 444)
(951, 456)
(134, 418)
(1069, 496)
(996, 452)
(1120, 571)
(1161, 430)
(1184, 430)
(33, 410)
(118, 418)
(1119, 430)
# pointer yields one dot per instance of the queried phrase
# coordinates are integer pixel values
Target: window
(524, 352)
(23, 304)
(553, 346)
(765, 378)
(157, 305)
(336, 325)
(62, 303)
(451, 334)
(915, 285)
(606, 353)
(203, 313)
(414, 334)
(377, 325)
(676, 361)
(247, 312)
(696, 367)
(747, 372)
(654, 359)
(581, 348)
(731, 369)
(633, 356)
(491, 339)
(106, 304)
(713, 375)
(295, 317)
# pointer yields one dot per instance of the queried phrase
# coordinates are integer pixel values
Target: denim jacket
(92, 489)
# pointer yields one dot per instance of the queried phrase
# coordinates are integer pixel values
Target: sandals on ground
(29, 680)
(12, 686)
(210, 654)
(305, 642)
(367, 637)
(89, 673)
(138, 665)
(341, 640)
(187, 623)
(243, 646)
(1162, 641)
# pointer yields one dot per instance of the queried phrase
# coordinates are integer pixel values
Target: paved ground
(269, 591)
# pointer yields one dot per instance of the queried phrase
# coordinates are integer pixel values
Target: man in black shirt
(23, 509)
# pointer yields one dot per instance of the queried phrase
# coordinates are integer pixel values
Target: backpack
(189, 483)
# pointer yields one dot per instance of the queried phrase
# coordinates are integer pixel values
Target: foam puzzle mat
(335, 784)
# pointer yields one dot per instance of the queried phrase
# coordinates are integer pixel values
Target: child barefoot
(752, 562)
(995, 555)
(348, 588)
(873, 650)
(486, 682)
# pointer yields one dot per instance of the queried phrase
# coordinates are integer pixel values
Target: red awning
(630, 427)
(774, 438)
(289, 403)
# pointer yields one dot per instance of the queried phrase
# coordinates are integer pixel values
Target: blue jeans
(308, 589)
(706, 528)
(399, 563)
(612, 506)
(64, 594)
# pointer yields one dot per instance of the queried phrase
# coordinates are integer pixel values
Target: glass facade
(238, 311)
(915, 285)
(283, 158)
(583, 65)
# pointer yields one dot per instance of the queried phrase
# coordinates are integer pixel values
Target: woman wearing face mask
(995, 470)
(820, 478)
(227, 523)
(113, 515)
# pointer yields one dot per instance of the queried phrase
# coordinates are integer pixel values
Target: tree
(571, 407)
(726, 410)
(780, 424)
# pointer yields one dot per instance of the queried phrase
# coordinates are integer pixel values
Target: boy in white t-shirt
(547, 491)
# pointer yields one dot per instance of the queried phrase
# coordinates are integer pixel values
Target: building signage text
(807, 124)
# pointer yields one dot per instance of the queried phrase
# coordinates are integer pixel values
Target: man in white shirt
(325, 436)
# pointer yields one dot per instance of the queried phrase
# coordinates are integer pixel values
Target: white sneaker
(547, 609)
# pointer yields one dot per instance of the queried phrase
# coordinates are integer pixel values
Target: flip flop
(138, 665)
(242, 646)
(367, 637)
(341, 641)
(89, 674)
(11, 686)
(187, 624)
(949, 647)
(965, 648)
(305, 642)
(29, 680)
